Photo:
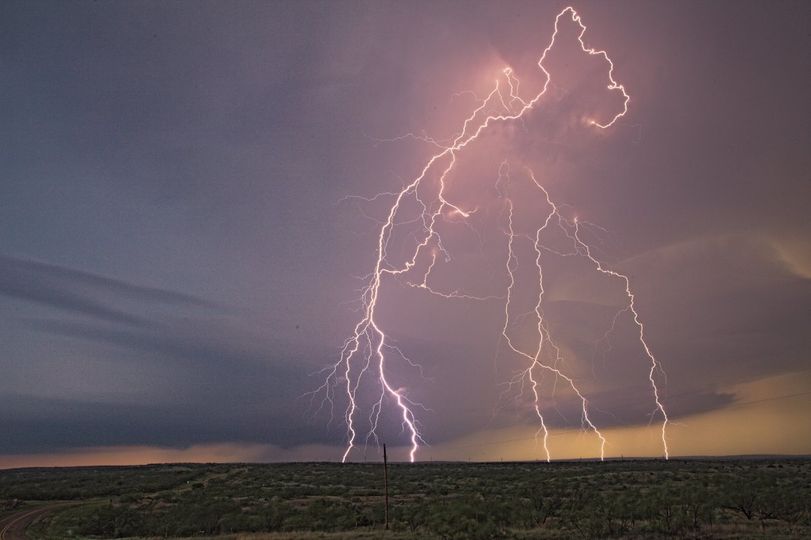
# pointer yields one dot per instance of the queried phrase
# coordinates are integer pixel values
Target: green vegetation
(618, 499)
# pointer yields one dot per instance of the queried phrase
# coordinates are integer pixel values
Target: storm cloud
(177, 261)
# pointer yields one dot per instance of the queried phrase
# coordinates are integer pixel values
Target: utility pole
(386, 484)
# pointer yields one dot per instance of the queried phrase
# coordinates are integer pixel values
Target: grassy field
(765, 498)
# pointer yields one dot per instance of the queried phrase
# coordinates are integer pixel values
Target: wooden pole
(386, 484)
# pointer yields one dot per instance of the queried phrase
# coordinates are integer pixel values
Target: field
(759, 498)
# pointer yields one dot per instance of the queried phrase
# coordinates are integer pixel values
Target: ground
(732, 498)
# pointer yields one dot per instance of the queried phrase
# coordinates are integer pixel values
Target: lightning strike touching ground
(366, 354)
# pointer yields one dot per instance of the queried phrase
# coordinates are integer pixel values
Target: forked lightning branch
(368, 353)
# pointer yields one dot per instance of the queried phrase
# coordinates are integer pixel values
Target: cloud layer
(176, 261)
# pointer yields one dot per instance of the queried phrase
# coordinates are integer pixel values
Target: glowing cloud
(367, 353)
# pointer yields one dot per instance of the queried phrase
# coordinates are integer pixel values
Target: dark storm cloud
(192, 345)
(198, 150)
(81, 292)
(625, 407)
(222, 389)
(39, 424)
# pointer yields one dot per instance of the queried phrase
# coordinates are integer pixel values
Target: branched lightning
(536, 360)
(654, 364)
(366, 354)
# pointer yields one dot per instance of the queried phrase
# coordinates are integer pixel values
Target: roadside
(12, 527)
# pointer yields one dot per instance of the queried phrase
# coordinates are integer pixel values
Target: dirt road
(13, 527)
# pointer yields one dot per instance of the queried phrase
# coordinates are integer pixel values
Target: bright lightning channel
(366, 353)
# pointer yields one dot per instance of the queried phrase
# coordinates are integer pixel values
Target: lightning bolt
(535, 360)
(654, 364)
(366, 354)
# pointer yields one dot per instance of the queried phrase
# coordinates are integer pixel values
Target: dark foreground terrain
(764, 498)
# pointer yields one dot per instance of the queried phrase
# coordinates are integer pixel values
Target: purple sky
(176, 260)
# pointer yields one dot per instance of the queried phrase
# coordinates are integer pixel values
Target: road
(13, 527)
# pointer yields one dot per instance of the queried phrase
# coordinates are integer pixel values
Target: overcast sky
(177, 259)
